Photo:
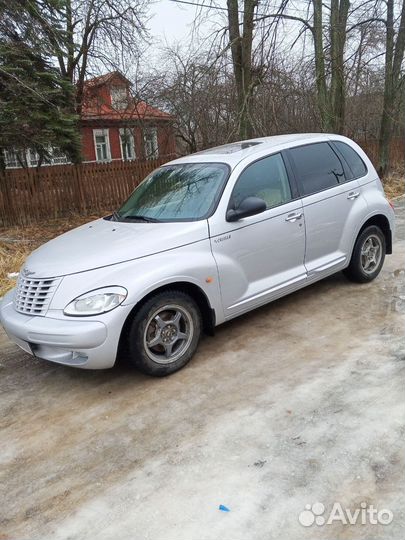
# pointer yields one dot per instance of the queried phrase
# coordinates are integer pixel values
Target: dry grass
(394, 184)
(16, 243)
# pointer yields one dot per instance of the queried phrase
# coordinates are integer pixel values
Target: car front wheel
(368, 255)
(164, 333)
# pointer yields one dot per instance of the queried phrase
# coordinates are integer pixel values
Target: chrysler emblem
(26, 272)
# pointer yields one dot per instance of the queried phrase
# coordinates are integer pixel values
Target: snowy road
(299, 402)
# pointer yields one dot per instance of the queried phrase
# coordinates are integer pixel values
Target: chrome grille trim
(33, 295)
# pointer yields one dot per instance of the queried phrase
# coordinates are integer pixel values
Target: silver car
(200, 241)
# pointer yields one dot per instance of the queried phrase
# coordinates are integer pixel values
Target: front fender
(193, 264)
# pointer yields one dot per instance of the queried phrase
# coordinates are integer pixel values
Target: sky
(172, 22)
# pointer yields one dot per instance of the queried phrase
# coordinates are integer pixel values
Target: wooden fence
(34, 195)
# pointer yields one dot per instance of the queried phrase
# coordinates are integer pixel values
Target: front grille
(33, 296)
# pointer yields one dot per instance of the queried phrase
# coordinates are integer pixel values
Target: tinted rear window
(352, 158)
(318, 167)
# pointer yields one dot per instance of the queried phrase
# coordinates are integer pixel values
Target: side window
(266, 179)
(318, 167)
(352, 158)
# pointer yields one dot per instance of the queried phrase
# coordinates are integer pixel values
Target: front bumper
(78, 342)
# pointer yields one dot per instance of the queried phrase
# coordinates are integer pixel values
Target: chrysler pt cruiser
(200, 241)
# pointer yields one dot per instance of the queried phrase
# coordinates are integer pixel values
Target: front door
(262, 255)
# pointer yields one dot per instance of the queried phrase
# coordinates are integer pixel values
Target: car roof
(235, 152)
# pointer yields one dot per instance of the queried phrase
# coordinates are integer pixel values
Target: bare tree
(199, 93)
(394, 56)
(98, 33)
(330, 96)
(282, 81)
(328, 24)
(241, 48)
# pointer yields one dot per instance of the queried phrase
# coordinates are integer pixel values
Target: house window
(127, 144)
(102, 144)
(55, 157)
(33, 158)
(119, 99)
(151, 143)
(13, 159)
(58, 157)
(30, 158)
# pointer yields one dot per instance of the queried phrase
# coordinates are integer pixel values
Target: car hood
(103, 242)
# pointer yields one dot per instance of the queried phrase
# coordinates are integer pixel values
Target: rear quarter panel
(372, 193)
(376, 204)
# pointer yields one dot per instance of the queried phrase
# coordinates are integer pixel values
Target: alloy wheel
(168, 333)
(371, 253)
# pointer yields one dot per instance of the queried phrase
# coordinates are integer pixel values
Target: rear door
(332, 202)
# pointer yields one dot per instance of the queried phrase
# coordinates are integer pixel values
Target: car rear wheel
(164, 333)
(368, 255)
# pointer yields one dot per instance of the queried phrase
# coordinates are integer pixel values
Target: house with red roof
(115, 126)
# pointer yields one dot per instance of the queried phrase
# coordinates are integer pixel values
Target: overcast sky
(171, 22)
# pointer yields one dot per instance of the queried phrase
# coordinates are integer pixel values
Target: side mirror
(248, 207)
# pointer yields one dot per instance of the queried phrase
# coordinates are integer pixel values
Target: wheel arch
(381, 221)
(193, 290)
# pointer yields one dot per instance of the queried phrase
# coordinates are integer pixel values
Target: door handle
(293, 217)
(353, 195)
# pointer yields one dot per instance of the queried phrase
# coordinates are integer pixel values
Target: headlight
(96, 302)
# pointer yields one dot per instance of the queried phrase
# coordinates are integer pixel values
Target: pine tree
(36, 102)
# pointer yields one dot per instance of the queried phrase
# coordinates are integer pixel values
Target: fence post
(6, 199)
(81, 203)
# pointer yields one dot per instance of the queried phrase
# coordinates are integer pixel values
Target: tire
(369, 245)
(164, 333)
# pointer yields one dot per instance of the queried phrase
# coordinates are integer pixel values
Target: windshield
(184, 192)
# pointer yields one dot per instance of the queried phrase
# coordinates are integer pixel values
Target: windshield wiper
(137, 217)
